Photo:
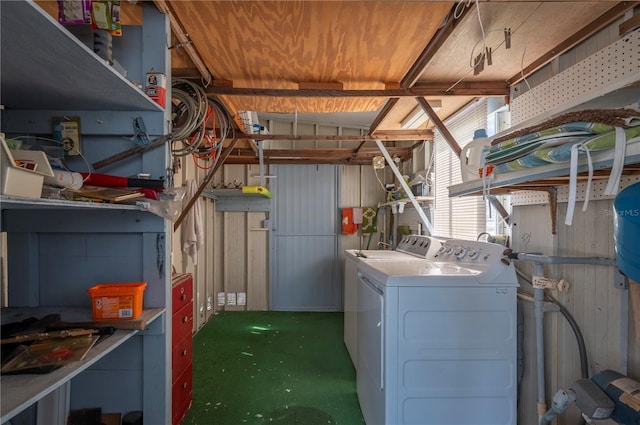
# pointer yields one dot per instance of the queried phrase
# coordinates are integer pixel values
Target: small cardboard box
(23, 171)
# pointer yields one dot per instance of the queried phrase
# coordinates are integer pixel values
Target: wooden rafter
(183, 39)
(316, 155)
(386, 135)
(439, 125)
(468, 88)
(432, 47)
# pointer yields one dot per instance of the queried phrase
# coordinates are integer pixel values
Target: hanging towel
(192, 231)
(357, 215)
(369, 222)
(348, 226)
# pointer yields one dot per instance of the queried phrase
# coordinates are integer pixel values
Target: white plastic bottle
(472, 155)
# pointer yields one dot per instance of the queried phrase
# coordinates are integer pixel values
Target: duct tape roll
(66, 179)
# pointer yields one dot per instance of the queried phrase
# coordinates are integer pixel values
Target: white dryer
(437, 338)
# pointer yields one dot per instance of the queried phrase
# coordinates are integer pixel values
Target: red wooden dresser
(181, 339)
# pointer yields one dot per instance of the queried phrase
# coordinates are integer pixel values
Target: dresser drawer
(181, 356)
(182, 323)
(182, 293)
(181, 393)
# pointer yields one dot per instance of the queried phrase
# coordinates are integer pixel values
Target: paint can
(156, 86)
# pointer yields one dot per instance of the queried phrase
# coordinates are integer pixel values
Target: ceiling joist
(387, 135)
(465, 88)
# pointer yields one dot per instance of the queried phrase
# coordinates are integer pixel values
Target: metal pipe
(543, 259)
(538, 312)
(406, 187)
(538, 305)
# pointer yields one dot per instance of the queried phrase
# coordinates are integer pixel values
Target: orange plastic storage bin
(117, 301)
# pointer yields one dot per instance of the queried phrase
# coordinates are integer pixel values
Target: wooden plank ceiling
(380, 58)
(371, 56)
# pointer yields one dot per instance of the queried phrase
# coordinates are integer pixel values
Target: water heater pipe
(538, 310)
(406, 187)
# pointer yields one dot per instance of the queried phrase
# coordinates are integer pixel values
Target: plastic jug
(472, 156)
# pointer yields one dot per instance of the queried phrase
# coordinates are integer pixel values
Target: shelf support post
(407, 189)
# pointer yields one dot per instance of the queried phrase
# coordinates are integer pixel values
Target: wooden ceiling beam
(587, 30)
(315, 156)
(388, 106)
(183, 39)
(439, 125)
(322, 152)
(436, 42)
(386, 135)
(469, 88)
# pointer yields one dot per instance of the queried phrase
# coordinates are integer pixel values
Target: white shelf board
(407, 201)
(236, 200)
(45, 67)
(16, 202)
(601, 160)
(21, 391)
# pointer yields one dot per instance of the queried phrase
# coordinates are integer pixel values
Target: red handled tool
(107, 180)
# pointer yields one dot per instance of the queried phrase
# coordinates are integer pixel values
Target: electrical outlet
(231, 298)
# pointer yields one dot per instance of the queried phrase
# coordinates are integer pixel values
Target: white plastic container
(19, 181)
(472, 156)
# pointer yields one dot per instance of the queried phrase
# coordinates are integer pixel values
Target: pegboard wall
(611, 68)
(597, 192)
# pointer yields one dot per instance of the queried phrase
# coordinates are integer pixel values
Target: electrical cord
(46, 139)
(189, 114)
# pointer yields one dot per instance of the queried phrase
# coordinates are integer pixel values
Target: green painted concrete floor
(277, 368)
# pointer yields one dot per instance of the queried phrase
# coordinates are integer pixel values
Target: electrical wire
(189, 113)
(46, 139)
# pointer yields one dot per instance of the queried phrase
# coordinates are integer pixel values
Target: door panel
(304, 261)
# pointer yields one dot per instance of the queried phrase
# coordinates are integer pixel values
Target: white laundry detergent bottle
(471, 156)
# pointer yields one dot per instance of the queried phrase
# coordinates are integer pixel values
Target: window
(464, 217)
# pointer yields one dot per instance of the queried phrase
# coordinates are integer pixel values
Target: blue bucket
(626, 231)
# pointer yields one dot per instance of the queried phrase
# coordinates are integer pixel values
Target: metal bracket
(140, 134)
(620, 281)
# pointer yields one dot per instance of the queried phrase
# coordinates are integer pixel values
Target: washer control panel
(469, 252)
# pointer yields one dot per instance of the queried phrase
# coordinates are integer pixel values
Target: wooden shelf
(58, 72)
(20, 391)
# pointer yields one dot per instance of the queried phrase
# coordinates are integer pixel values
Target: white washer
(437, 338)
(411, 247)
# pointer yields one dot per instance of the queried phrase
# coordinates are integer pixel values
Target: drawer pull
(185, 319)
(184, 353)
(183, 297)
(184, 385)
